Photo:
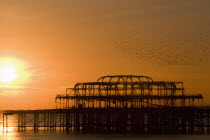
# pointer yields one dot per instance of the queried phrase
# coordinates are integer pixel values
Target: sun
(8, 73)
(13, 72)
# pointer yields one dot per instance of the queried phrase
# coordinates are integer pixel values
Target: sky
(57, 43)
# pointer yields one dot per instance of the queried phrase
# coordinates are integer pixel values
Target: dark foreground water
(43, 135)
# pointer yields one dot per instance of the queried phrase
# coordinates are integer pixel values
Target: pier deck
(181, 120)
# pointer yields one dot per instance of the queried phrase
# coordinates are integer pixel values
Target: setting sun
(8, 73)
(13, 71)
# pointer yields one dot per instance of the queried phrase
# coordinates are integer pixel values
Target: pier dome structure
(127, 91)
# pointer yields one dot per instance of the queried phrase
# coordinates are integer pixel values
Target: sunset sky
(53, 44)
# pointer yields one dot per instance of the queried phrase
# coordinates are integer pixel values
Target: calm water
(59, 136)
(13, 134)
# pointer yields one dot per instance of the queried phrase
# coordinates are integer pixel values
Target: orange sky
(62, 42)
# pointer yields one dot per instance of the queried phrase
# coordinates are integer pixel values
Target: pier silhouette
(120, 104)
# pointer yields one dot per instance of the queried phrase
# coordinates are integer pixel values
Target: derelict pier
(119, 104)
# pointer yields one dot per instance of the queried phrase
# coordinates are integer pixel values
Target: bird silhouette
(183, 51)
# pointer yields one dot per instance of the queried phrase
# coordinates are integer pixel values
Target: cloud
(5, 91)
(11, 90)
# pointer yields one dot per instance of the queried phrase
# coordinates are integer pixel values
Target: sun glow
(13, 70)
(8, 73)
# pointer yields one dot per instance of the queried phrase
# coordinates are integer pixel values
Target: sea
(43, 135)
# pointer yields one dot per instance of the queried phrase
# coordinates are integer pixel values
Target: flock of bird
(173, 52)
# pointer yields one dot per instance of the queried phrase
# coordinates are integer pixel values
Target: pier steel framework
(158, 120)
(119, 104)
(127, 91)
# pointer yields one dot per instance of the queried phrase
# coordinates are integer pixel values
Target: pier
(119, 104)
(187, 120)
